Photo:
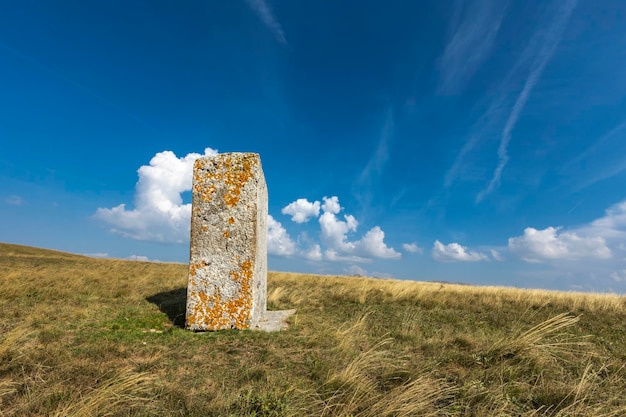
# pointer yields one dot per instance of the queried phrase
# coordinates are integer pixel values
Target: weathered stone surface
(228, 253)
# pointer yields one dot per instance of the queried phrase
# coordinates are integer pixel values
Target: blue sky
(470, 141)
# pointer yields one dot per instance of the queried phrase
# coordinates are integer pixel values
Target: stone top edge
(231, 154)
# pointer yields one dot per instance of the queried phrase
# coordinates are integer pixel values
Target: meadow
(93, 337)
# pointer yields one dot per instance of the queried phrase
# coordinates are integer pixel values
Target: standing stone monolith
(228, 252)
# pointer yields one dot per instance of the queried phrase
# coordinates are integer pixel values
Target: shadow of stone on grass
(173, 303)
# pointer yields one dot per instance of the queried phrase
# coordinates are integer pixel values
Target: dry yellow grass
(458, 294)
(81, 336)
(126, 390)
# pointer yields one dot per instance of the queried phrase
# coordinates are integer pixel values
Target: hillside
(82, 336)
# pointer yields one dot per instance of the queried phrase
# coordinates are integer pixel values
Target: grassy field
(91, 337)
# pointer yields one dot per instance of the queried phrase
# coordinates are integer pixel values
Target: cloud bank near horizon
(160, 215)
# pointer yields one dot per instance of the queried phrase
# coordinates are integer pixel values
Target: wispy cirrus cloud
(473, 32)
(381, 154)
(608, 138)
(14, 200)
(604, 159)
(264, 12)
(370, 175)
(539, 52)
(497, 123)
(462, 165)
(608, 171)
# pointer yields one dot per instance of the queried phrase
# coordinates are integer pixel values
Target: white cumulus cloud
(373, 244)
(333, 255)
(334, 233)
(412, 248)
(591, 253)
(611, 226)
(140, 258)
(302, 210)
(551, 244)
(455, 252)
(159, 214)
(97, 255)
(314, 253)
(278, 240)
(331, 205)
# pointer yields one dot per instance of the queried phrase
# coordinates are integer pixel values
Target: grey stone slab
(227, 283)
(274, 321)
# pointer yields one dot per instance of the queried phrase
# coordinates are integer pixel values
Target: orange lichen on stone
(226, 234)
(236, 176)
(233, 172)
(215, 312)
(204, 191)
(208, 312)
(201, 177)
(193, 268)
(231, 220)
(244, 273)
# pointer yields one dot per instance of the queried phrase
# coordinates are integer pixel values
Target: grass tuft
(125, 390)
(546, 337)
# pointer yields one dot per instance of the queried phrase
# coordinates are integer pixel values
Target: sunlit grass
(82, 336)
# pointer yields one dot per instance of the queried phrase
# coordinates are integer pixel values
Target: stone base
(274, 321)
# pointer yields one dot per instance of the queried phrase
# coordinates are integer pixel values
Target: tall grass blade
(127, 388)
